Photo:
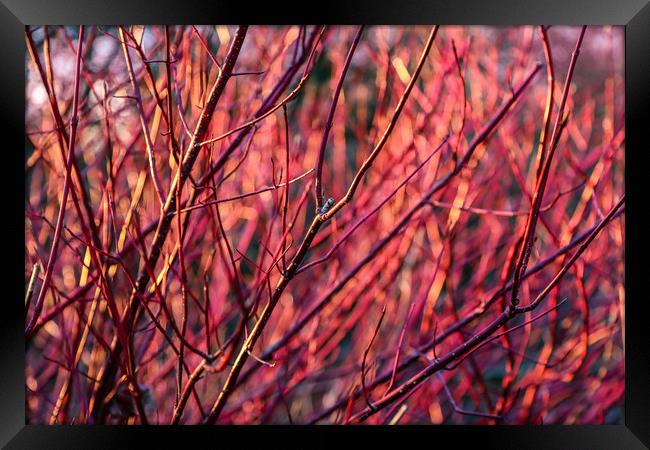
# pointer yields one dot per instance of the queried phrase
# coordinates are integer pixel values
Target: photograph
(325, 224)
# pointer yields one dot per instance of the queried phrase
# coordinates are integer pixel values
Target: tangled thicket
(324, 225)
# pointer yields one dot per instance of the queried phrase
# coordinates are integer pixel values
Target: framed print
(381, 220)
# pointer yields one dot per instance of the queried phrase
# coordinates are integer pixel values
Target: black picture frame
(633, 14)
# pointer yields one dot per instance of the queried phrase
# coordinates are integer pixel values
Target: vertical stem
(531, 223)
(143, 122)
(330, 117)
(550, 77)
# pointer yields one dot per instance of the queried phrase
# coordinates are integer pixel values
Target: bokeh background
(567, 367)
